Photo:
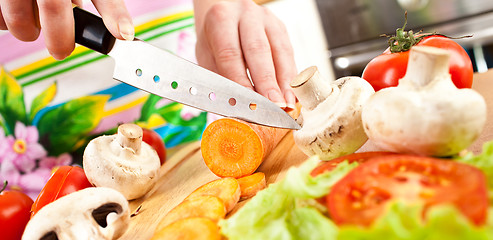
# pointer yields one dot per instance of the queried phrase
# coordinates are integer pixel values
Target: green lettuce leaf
(484, 162)
(282, 211)
(403, 222)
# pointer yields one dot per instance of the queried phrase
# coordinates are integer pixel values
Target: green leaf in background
(67, 124)
(12, 107)
(149, 107)
(42, 100)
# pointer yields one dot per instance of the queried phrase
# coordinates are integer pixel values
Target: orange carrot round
(226, 189)
(235, 148)
(203, 206)
(251, 184)
(195, 228)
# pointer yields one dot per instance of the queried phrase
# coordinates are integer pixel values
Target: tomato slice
(360, 197)
(354, 157)
(65, 180)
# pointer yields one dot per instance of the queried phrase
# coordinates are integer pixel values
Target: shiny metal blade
(162, 73)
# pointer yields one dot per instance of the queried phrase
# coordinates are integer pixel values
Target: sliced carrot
(226, 189)
(234, 148)
(251, 184)
(202, 206)
(189, 229)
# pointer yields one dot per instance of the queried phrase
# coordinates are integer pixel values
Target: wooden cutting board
(185, 170)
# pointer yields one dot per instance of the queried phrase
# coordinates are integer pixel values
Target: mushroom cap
(91, 213)
(108, 164)
(334, 127)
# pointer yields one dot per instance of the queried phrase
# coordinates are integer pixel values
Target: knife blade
(162, 73)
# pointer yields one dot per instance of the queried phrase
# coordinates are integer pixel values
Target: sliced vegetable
(360, 157)
(362, 195)
(386, 70)
(194, 228)
(90, 213)
(65, 180)
(425, 114)
(15, 209)
(330, 114)
(209, 207)
(234, 148)
(226, 189)
(155, 141)
(251, 184)
(122, 162)
(284, 210)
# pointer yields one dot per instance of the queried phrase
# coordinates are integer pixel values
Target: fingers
(258, 56)
(18, 18)
(283, 57)
(223, 38)
(116, 18)
(3, 25)
(57, 21)
(204, 54)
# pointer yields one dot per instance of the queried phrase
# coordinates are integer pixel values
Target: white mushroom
(330, 114)
(425, 114)
(122, 162)
(91, 213)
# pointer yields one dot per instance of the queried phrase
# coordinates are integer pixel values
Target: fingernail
(290, 99)
(276, 97)
(126, 29)
(57, 56)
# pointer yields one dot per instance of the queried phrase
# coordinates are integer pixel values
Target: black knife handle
(91, 32)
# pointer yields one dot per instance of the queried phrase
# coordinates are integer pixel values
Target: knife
(162, 73)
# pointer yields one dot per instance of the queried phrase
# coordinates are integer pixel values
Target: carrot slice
(226, 189)
(202, 206)
(189, 229)
(251, 184)
(234, 148)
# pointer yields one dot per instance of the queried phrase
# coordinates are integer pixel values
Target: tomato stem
(4, 185)
(403, 41)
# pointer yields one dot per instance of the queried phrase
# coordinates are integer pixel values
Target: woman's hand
(25, 19)
(233, 36)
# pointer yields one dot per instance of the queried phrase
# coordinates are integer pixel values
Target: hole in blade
(253, 106)
(174, 85)
(232, 101)
(212, 96)
(193, 91)
(138, 72)
(156, 78)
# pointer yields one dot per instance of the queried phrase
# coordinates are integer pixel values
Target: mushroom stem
(130, 136)
(425, 65)
(310, 88)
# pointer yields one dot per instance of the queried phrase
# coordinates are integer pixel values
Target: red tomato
(156, 142)
(15, 209)
(65, 180)
(386, 69)
(361, 196)
(355, 157)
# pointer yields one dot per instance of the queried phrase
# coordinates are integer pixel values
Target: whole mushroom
(426, 113)
(122, 161)
(330, 116)
(91, 213)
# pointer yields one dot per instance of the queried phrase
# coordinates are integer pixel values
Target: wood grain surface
(185, 170)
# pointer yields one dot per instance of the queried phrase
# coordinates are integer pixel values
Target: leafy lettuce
(287, 210)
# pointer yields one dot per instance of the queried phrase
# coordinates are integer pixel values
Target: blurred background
(346, 33)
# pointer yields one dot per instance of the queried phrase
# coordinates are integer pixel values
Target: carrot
(251, 184)
(226, 189)
(201, 206)
(235, 148)
(195, 228)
